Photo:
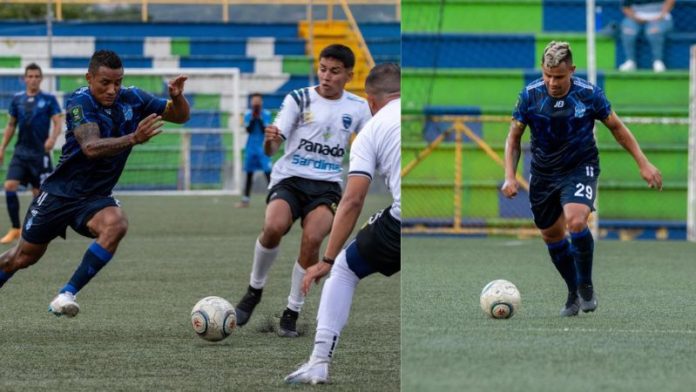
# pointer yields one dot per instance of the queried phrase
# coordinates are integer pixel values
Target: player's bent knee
(312, 238)
(576, 223)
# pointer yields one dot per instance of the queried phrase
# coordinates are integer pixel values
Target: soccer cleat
(587, 298)
(242, 204)
(659, 66)
(315, 371)
(627, 66)
(64, 305)
(246, 306)
(572, 306)
(288, 324)
(12, 234)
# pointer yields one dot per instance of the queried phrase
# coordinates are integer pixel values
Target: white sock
(263, 260)
(296, 299)
(334, 307)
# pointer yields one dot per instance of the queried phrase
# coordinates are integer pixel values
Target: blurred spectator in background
(652, 17)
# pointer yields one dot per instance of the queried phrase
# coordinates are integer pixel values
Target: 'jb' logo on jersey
(347, 120)
(559, 104)
(579, 110)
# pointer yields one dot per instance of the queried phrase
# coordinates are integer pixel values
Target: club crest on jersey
(347, 121)
(41, 103)
(307, 117)
(128, 112)
(579, 110)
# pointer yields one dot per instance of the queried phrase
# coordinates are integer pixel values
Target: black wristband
(327, 260)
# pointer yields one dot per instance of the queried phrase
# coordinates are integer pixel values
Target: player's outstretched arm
(7, 136)
(94, 146)
(272, 140)
(57, 121)
(625, 138)
(347, 215)
(513, 150)
(178, 109)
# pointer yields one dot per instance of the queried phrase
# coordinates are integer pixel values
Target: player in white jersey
(377, 246)
(316, 124)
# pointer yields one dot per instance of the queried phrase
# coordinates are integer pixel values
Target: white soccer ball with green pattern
(500, 299)
(213, 318)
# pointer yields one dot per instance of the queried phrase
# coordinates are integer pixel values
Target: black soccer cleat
(587, 297)
(288, 324)
(572, 305)
(246, 306)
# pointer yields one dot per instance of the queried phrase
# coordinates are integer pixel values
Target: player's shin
(94, 260)
(296, 299)
(564, 262)
(334, 307)
(263, 260)
(13, 208)
(583, 249)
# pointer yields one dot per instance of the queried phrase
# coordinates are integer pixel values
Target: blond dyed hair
(556, 53)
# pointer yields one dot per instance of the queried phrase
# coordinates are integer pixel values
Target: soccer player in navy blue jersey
(33, 111)
(560, 110)
(104, 122)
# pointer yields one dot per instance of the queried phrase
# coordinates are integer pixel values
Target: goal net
(202, 156)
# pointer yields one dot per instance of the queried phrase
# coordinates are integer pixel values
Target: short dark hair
(104, 58)
(339, 52)
(32, 66)
(252, 95)
(384, 79)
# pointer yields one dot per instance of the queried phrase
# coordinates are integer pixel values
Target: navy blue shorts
(30, 170)
(548, 196)
(305, 195)
(49, 216)
(379, 243)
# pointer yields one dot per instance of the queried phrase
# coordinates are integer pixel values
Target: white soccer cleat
(627, 66)
(659, 66)
(316, 371)
(64, 305)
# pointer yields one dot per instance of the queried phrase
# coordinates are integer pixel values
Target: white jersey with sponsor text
(378, 148)
(317, 133)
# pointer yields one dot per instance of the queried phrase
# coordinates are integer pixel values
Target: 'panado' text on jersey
(317, 132)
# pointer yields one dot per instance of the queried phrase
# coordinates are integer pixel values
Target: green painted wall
(487, 89)
(297, 65)
(10, 62)
(180, 47)
(646, 91)
(207, 101)
(499, 16)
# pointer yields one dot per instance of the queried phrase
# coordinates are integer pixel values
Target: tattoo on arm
(94, 146)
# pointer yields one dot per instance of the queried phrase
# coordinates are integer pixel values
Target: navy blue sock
(94, 259)
(582, 249)
(4, 277)
(13, 207)
(564, 263)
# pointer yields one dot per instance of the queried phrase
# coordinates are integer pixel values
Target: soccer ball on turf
(500, 299)
(213, 318)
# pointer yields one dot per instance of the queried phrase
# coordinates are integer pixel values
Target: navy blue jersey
(77, 176)
(561, 128)
(33, 114)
